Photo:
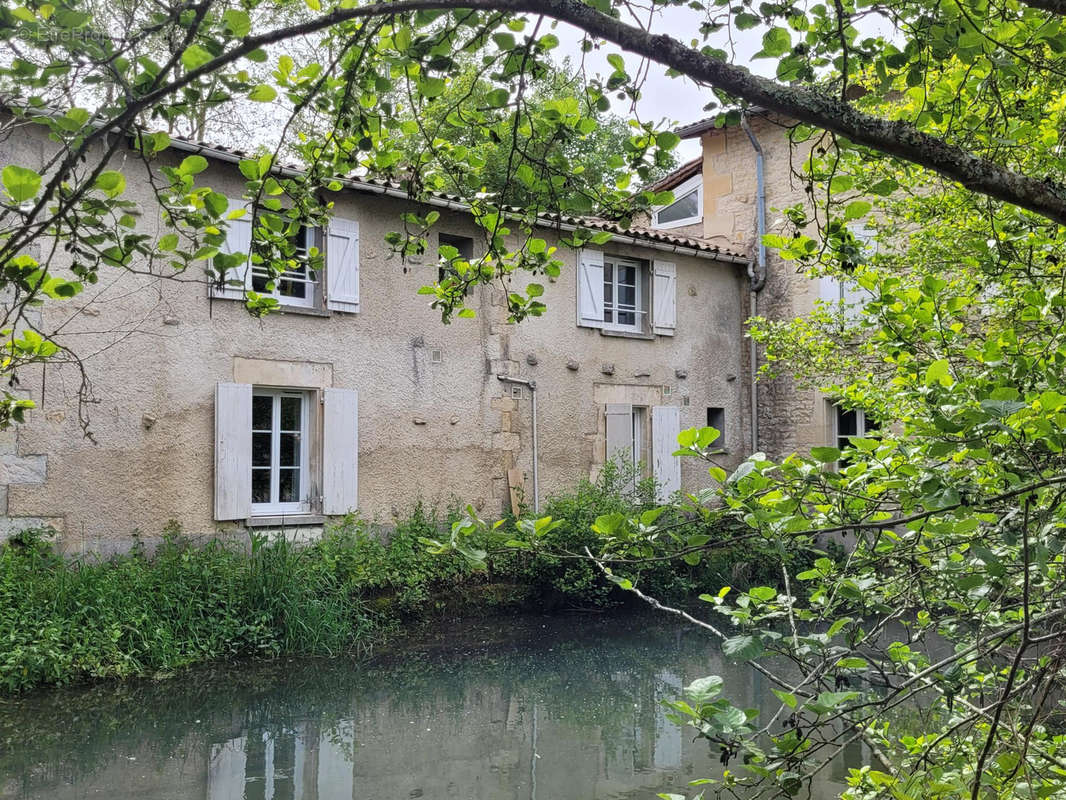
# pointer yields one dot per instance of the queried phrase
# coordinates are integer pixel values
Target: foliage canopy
(950, 599)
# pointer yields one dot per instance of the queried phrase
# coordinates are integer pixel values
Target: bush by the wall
(63, 620)
(562, 576)
(131, 615)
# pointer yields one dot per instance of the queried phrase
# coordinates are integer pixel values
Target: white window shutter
(666, 467)
(665, 294)
(342, 265)
(619, 432)
(233, 451)
(238, 240)
(590, 289)
(340, 451)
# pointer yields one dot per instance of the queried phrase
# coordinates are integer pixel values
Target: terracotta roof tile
(678, 176)
(635, 232)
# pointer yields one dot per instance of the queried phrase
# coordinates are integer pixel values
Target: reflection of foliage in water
(599, 673)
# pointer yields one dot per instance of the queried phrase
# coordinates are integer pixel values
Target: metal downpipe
(756, 276)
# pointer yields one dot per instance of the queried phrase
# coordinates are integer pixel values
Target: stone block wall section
(30, 469)
(790, 419)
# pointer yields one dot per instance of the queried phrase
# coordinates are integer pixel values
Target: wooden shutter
(666, 467)
(342, 265)
(664, 293)
(590, 289)
(340, 451)
(238, 240)
(233, 451)
(620, 432)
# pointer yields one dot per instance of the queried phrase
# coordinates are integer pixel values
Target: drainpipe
(756, 277)
(533, 392)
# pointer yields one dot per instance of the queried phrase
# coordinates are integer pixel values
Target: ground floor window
(626, 435)
(279, 451)
(640, 415)
(285, 451)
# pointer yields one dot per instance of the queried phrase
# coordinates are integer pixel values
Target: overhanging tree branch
(895, 138)
(1054, 6)
(892, 137)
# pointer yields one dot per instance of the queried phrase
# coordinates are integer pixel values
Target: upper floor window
(451, 249)
(627, 295)
(623, 294)
(299, 285)
(842, 293)
(686, 209)
(296, 286)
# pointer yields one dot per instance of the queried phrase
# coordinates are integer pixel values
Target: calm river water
(553, 708)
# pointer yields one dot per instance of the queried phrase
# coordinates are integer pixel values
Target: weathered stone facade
(435, 421)
(790, 420)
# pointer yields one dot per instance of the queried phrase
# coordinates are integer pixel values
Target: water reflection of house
(299, 763)
(494, 746)
(552, 723)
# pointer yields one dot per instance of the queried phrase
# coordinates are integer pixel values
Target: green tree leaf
(21, 183)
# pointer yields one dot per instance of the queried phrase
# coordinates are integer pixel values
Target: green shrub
(63, 620)
(130, 615)
(393, 565)
(571, 580)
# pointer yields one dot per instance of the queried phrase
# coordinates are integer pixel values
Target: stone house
(742, 178)
(356, 398)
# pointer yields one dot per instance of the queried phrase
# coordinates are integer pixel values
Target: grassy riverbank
(63, 621)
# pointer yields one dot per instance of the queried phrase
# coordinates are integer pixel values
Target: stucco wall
(154, 350)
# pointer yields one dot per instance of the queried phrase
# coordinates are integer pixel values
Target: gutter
(533, 392)
(455, 205)
(756, 277)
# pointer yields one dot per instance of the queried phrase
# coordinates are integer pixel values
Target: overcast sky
(678, 100)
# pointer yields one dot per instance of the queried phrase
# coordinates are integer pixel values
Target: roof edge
(685, 246)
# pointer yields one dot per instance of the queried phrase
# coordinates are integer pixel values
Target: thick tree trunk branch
(1054, 6)
(893, 138)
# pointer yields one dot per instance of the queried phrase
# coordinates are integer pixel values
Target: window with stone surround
(285, 451)
(279, 466)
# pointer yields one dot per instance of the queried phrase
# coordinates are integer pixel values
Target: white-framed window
(624, 306)
(280, 474)
(617, 294)
(297, 285)
(848, 423)
(625, 435)
(265, 462)
(637, 456)
(686, 209)
(844, 295)
(627, 429)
